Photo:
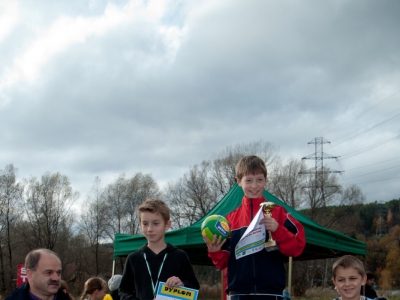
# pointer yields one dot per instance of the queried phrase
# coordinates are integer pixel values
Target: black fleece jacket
(136, 282)
(22, 293)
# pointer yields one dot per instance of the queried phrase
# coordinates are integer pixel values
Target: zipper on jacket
(251, 209)
(254, 262)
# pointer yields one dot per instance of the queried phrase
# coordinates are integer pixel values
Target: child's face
(370, 281)
(99, 294)
(253, 185)
(348, 283)
(153, 226)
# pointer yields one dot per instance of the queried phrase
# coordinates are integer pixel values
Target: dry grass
(321, 293)
(329, 293)
(208, 292)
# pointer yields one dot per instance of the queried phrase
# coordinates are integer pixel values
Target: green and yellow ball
(215, 224)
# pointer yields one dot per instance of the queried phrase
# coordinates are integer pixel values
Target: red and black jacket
(262, 272)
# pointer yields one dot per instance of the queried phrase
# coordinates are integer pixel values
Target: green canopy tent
(320, 242)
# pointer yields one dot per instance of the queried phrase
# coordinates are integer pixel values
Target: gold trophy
(269, 245)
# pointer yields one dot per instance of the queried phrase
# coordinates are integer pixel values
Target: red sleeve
(289, 235)
(219, 258)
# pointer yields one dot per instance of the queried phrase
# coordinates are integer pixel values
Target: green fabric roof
(320, 242)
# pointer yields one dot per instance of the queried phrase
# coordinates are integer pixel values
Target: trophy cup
(269, 245)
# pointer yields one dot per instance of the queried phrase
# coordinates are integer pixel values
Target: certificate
(253, 238)
(176, 292)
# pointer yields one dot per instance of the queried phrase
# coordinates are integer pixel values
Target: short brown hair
(348, 261)
(250, 164)
(155, 206)
(33, 257)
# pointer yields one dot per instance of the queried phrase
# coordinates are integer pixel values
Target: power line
(374, 172)
(374, 164)
(350, 154)
(363, 112)
(378, 180)
(353, 134)
(364, 131)
(345, 179)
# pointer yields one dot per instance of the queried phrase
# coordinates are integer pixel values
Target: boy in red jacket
(261, 275)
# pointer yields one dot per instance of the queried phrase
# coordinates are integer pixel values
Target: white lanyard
(159, 272)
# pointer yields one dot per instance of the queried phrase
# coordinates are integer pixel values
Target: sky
(100, 88)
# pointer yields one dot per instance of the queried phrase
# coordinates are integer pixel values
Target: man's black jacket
(22, 293)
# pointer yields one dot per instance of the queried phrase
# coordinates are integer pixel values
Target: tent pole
(290, 275)
(222, 285)
(365, 268)
(113, 268)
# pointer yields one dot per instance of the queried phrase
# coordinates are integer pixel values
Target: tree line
(38, 212)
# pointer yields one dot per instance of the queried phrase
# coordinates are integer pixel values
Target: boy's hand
(270, 223)
(215, 244)
(173, 281)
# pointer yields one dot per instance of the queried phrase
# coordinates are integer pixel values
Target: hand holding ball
(215, 224)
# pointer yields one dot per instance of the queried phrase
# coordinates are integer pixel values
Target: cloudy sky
(97, 87)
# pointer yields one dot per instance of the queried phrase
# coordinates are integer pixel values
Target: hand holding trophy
(269, 245)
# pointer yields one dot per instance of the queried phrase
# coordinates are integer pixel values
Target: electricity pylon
(319, 157)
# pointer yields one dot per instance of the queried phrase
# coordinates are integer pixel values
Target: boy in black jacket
(156, 261)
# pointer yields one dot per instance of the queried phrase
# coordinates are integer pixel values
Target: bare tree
(192, 196)
(344, 207)
(114, 196)
(206, 183)
(10, 202)
(322, 190)
(123, 197)
(175, 195)
(93, 222)
(353, 196)
(48, 205)
(287, 182)
(138, 189)
(223, 173)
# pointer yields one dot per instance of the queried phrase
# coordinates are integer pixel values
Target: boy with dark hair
(369, 291)
(260, 275)
(156, 261)
(348, 276)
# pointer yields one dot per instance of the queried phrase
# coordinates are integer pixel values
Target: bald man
(43, 270)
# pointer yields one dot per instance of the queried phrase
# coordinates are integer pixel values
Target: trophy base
(271, 246)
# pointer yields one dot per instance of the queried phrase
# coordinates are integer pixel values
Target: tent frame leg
(290, 275)
(113, 268)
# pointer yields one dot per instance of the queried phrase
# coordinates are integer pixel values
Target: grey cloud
(280, 71)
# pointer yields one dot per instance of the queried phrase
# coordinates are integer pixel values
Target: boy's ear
(364, 280)
(168, 225)
(238, 181)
